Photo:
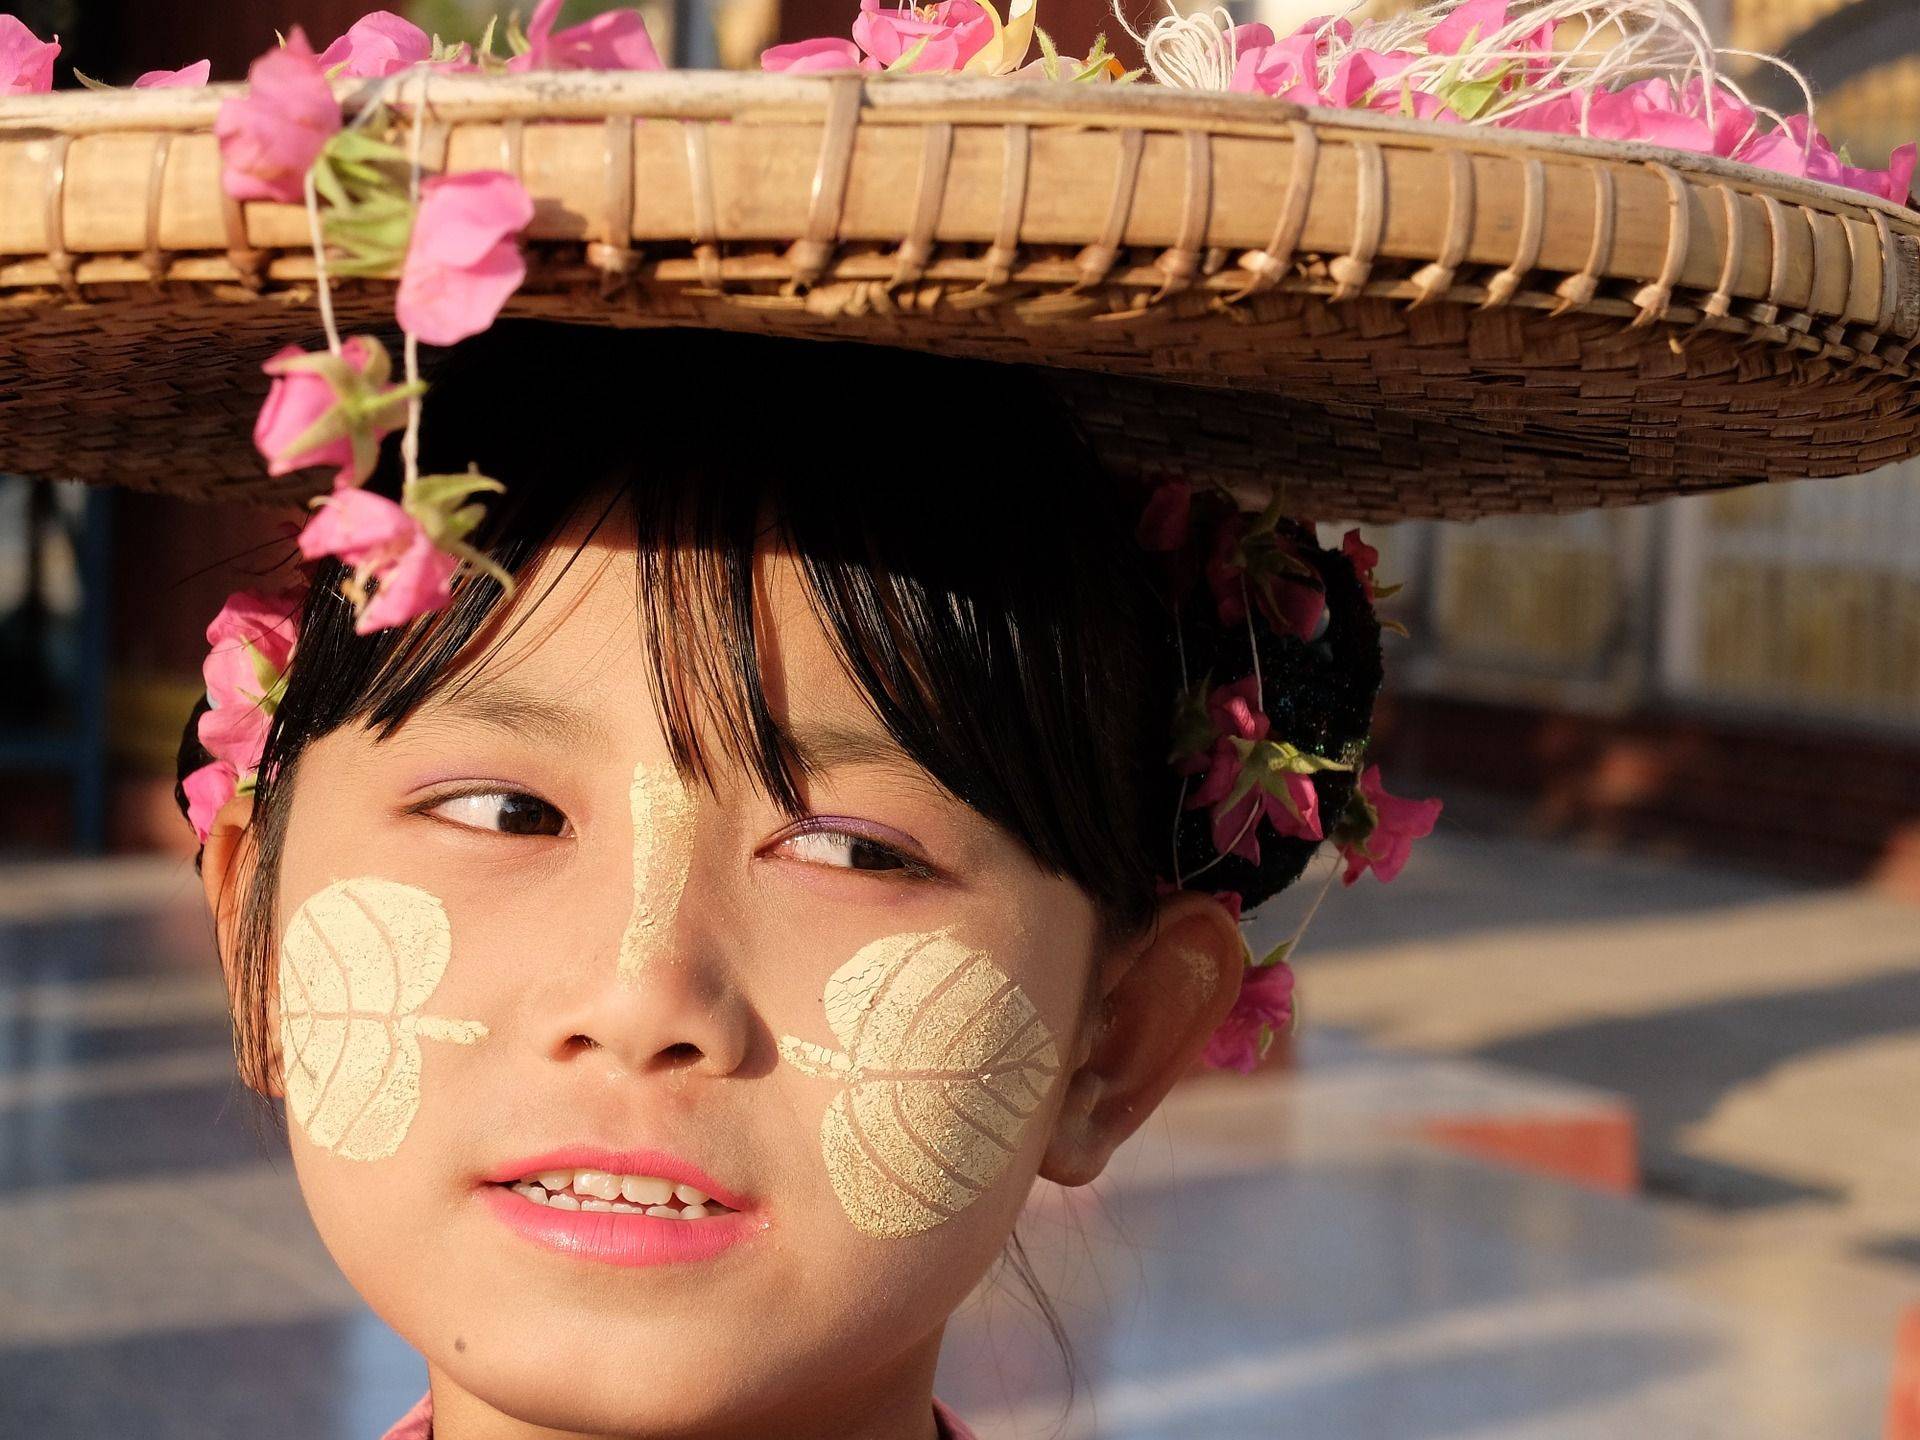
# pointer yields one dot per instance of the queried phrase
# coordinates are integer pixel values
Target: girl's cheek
(359, 961)
(944, 1065)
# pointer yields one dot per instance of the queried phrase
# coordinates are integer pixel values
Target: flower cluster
(251, 642)
(1254, 784)
(1521, 67)
(949, 37)
(451, 240)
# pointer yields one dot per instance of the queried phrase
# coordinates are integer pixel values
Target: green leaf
(482, 562)
(327, 183)
(1049, 54)
(358, 145)
(1192, 725)
(517, 40)
(1276, 954)
(91, 83)
(484, 50)
(1358, 820)
(333, 424)
(1468, 101)
(263, 673)
(907, 57)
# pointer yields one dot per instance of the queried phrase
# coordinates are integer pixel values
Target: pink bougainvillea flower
(1365, 77)
(1894, 183)
(1652, 111)
(185, 78)
(806, 57)
(385, 545)
(26, 61)
(1243, 760)
(359, 528)
(249, 644)
(1291, 605)
(1395, 823)
(1363, 558)
(1798, 149)
(270, 136)
(1163, 523)
(949, 33)
(236, 734)
(1795, 148)
(1649, 111)
(1776, 150)
(1295, 609)
(207, 789)
(419, 580)
(462, 262)
(1264, 1004)
(1287, 69)
(382, 43)
(1469, 23)
(1225, 573)
(328, 410)
(1477, 21)
(614, 40)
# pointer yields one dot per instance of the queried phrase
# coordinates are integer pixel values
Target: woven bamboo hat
(1387, 318)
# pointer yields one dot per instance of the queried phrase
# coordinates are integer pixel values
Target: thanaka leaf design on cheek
(662, 858)
(357, 962)
(946, 1062)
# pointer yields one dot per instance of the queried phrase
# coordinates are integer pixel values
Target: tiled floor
(1273, 1257)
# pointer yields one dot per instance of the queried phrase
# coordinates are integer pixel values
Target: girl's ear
(226, 873)
(1158, 1002)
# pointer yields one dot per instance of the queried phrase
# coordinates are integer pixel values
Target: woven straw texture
(1383, 318)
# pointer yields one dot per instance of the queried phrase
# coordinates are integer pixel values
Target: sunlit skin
(807, 1329)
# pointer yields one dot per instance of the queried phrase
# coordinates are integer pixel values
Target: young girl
(678, 972)
(824, 799)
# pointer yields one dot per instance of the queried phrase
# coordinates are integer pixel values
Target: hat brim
(1387, 318)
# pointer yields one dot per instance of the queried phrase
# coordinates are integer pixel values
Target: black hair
(977, 570)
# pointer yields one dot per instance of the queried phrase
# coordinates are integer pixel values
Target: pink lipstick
(625, 1207)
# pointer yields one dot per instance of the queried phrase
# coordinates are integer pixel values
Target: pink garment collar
(417, 1423)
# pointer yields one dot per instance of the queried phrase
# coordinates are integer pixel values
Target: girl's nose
(678, 1013)
(660, 996)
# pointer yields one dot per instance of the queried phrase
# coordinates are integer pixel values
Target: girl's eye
(511, 812)
(846, 850)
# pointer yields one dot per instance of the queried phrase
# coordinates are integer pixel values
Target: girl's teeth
(596, 1183)
(644, 1190)
(599, 1191)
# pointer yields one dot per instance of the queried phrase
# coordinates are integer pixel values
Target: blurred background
(1605, 1114)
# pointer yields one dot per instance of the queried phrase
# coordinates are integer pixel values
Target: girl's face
(514, 948)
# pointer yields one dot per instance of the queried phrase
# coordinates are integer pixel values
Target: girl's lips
(615, 1238)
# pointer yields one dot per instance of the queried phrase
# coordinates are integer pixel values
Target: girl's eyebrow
(823, 746)
(512, 710)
